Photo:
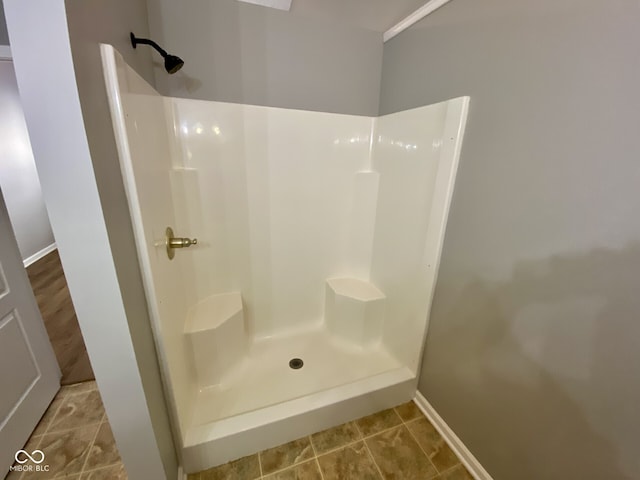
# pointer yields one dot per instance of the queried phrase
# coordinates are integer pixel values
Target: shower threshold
(263, 402)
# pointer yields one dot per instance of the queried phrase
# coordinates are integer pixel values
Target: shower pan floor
(265, 378)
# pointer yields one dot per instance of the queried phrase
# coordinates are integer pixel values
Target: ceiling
(378, 15)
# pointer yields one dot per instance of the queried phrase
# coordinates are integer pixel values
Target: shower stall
(305, 301)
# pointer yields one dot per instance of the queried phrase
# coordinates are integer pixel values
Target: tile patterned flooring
(76, 438)
(394, 444)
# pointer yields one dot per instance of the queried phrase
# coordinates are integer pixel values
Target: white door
(29, 373)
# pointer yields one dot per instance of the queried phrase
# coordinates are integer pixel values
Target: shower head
(171, 63)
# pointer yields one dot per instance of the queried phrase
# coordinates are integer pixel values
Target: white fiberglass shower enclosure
(319, 237)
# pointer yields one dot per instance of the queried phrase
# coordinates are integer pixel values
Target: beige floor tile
(408, 411)
(104, 451)
(304, 471)
(49, 415)
(456, 473)
(286, 455)
(335, 437)
(246, 468)
(65, 452)
(433, 444)
(78, 410)
(391, 449)
(378, 421)
(349, 463)
(113, 472)
(398, 456)
(31, 445)
(15, 475)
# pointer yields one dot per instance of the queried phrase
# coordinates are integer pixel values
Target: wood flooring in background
(52, 294)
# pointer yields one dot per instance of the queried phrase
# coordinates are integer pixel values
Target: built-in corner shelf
(217, 332)
(354, 310)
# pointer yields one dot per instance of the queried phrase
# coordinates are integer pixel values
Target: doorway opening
(28, 216)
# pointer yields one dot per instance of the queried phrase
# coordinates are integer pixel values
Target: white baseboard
(38, 255)
(476, 470)
(5, 52)
(181, 474)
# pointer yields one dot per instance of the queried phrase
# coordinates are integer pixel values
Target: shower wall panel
(277, 191)
(141, 130)
(286, 199)
(407, 157)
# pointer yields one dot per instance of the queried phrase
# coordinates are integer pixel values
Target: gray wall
(242, 53)
(109, 21)
(4, 35)
(532, 354)
(18, 176)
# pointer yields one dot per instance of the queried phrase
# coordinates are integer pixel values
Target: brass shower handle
(182, 242)
(177, 242)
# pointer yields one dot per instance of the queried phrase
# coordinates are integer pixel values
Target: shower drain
(296, 363)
